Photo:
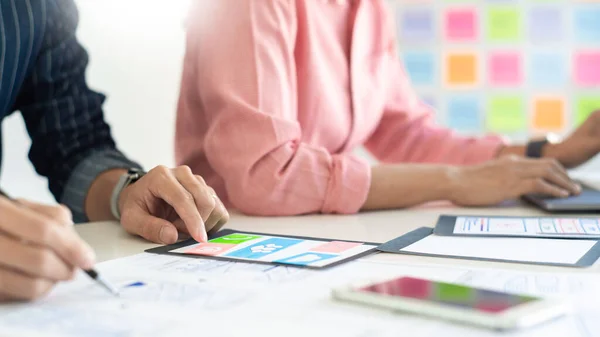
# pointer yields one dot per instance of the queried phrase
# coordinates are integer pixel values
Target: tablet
(296, 251)
(512, 226)
(551, 252)
(587, 200)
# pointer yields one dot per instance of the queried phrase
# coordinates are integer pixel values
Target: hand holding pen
(38, 248)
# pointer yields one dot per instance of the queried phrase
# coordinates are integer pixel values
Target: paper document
(176, 296)
(528, 227)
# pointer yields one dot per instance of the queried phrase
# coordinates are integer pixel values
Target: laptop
(588, 200)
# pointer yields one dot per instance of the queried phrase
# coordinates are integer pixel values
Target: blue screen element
(264, 248)
(306, 259)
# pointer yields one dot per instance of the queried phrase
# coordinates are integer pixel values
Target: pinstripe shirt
(42, 75)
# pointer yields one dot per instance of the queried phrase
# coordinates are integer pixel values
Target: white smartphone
(453, 302)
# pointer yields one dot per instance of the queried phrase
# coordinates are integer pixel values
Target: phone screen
(449, 294)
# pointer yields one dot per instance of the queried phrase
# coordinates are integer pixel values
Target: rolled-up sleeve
(242, 60)
(71, 142)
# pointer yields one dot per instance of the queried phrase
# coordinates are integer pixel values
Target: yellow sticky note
(461, 69)
(549, 114)
(506, 114)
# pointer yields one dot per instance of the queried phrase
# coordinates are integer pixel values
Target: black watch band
(535, 148)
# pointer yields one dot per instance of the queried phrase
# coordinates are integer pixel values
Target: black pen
(93, 274)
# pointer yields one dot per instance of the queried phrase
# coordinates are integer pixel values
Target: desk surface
(110, 241)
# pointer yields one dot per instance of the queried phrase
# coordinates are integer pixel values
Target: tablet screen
(275, 249)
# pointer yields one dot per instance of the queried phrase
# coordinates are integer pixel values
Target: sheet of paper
(176, 296)
(513, 249)
(527, 226)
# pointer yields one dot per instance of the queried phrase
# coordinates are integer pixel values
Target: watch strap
(132, 176)
(534, 148)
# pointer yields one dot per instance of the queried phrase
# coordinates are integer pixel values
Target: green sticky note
(504, 24)
(235, 238)
(585, 106)
(454, 293)
(506, 114)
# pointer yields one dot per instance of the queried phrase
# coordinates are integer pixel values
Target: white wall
(136, 49)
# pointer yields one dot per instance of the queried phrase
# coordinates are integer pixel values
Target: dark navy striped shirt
(42, 75)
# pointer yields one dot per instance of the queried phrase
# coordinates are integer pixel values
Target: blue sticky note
(546, 24)
(548, 70)
(306, 259)
(587, 23)
(464, 113)
(264, 248)
(420, 67)
(416, 25)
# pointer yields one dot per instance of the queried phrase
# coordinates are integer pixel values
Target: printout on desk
(176, 296)
(527, 227)
(553, 252)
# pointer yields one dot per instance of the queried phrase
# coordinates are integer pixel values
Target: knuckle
(63, 212)
(46, 231)
(184, 169)
(161, 171)
(201, 179)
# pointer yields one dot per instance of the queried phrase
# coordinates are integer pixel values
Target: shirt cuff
(84, 175)
(348, 186)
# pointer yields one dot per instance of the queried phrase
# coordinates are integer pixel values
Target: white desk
(110, 241)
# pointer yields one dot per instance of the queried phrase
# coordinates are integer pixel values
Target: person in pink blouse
(276, 95)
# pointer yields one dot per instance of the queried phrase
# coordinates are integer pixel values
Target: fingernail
(163, 236)
(564, 194)
(202, 235)
(578, 187)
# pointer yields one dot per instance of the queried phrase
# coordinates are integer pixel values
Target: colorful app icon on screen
(209, 249)
(335, 247)
(235, 238)
(264, 248)
(306, 259)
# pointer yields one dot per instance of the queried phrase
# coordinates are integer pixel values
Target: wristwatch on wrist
(126, 179)
(535, 148)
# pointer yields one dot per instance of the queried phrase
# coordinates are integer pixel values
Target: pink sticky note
(504, 69)
(587, 68)
(461, 25)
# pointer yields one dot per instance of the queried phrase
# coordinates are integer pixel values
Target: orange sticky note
(549, 114)
(461, 69)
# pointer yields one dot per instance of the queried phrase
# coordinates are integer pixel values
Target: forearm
(97, 202)
(401, 186)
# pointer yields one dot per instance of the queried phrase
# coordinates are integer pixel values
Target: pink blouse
(276, 94)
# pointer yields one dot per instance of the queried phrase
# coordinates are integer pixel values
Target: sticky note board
(553, 252)
(231, 245)
(511, 226)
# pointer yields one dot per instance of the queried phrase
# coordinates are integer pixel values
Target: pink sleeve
(243, 51)
(408, 134)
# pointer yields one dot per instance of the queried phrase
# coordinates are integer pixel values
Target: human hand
(582, 145)
(508, 178)
(38, 248)
(167, 201)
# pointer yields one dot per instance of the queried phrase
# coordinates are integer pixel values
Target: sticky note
(420, 67)
(506, 114)
(461, 69)
(461, 24)
(503, 24)
(548, 69)
(464, 113)
(416, 25)
(549, 114)
(546, 24)
(587, 68)
(585, 106)
(587, 23)
(504, 69)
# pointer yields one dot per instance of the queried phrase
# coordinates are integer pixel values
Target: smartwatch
(129, 178)
(534, 148)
